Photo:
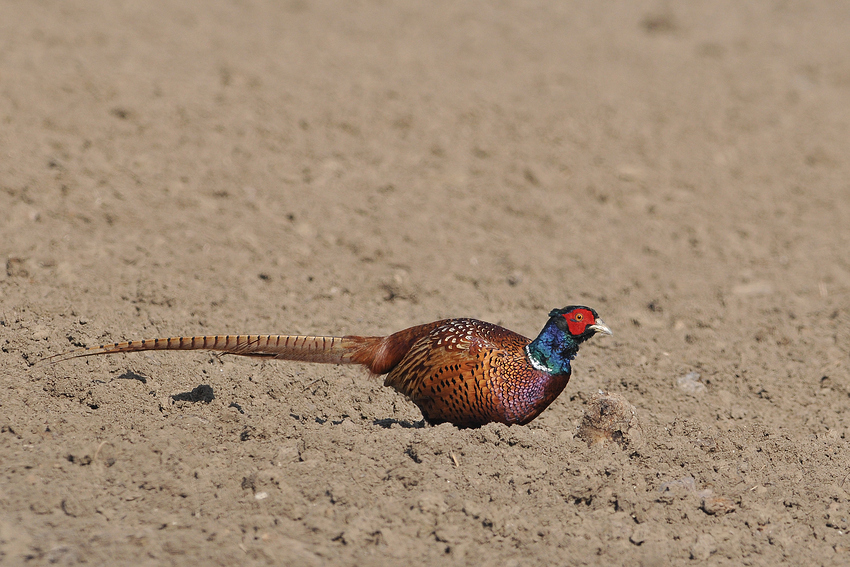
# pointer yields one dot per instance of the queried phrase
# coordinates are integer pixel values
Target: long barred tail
(333, 350)
(378, 354)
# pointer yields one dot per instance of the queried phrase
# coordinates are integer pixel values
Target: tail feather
(334, 350)
(379, 354)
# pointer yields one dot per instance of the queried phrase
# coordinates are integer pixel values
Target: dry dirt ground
(173, 168)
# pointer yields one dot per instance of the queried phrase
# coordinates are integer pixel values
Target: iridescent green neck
(552, 350)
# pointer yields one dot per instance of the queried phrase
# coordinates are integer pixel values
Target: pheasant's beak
(601, 328)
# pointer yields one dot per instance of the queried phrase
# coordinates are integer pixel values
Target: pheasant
(461, 371)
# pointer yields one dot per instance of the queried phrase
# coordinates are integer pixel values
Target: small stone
(753, 289)
(628, 172)
(718, 505)
(40, 333)
(640, 534)
(690, 384)
(609, 417)
(261, 496)
(684, 485)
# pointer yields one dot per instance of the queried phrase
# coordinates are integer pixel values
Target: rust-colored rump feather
(381, 354)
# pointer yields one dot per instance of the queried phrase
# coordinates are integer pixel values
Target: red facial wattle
(578, 320)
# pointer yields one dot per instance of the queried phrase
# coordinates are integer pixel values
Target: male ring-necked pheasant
(462, 371)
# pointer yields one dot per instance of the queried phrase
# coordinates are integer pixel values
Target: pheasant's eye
(579, 317)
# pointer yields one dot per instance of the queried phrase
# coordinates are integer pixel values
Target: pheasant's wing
(451, 373)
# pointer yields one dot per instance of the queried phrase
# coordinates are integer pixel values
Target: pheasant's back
(469, 373)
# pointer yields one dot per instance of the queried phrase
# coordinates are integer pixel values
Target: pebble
(40, 333)
(609, 417)
(718, 505)
(690, 383)
(753, 289)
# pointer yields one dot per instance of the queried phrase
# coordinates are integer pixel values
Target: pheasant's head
(559, 340)
(579, 322)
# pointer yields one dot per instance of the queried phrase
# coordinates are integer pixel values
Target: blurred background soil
(260, 166)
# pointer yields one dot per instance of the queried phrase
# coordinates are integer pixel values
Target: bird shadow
(403, 423)
(203, 393)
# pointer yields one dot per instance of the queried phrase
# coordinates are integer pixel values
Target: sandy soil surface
(260, 166)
